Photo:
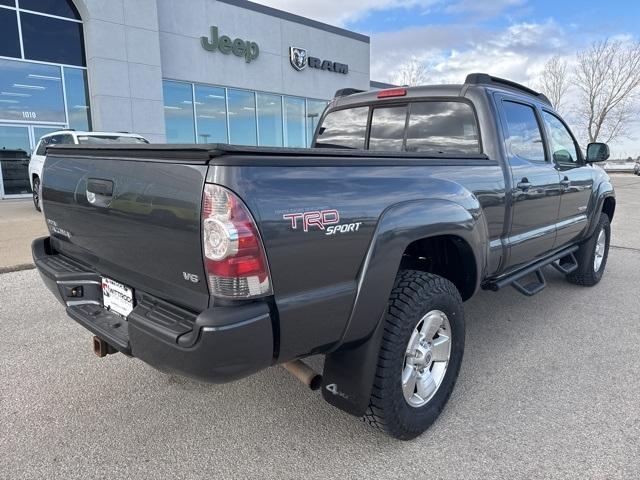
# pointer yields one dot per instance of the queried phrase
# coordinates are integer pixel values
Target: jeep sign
(240, 48)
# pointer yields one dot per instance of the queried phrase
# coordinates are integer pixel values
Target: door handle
(100, 187)
(566, 183)
(99, 192)
(524, 184)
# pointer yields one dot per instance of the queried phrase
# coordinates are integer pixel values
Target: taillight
(234, 257)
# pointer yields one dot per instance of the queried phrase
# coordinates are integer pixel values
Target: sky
(506, 38)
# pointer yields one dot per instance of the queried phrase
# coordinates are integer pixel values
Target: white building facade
(178, 71)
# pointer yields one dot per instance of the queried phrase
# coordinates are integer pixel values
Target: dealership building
(177, 71)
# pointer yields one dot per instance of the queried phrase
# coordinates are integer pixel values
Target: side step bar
(564, 261)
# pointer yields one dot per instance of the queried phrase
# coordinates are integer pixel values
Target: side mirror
(597, 152)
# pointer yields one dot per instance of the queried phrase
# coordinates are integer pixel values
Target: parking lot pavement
(548, 389)
(20, 223)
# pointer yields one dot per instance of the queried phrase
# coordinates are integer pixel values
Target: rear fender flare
(349, 370)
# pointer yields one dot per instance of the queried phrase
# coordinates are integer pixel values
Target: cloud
(451, 52)
(341, 12)
(482, 8)
(467, 42)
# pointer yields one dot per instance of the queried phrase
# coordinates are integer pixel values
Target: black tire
(414, 295)
(36, 193)
(586, 274)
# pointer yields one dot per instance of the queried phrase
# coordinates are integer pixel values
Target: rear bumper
(218, 345)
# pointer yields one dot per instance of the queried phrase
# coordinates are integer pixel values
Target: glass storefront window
(76, 87)
(178, 112)
(60, 8)
(294, 120)
(31, 92)
(314, 112)
(9, 39)
(242, 117)
(211, 114)
(269, 120)
(52, 40)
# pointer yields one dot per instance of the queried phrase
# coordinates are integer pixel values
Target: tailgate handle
(100, 187)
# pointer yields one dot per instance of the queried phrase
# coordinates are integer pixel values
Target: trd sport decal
(321, 219)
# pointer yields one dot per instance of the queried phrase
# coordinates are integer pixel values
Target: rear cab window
(438, 127)
(387, 128)
(345, 128)
(443, 127)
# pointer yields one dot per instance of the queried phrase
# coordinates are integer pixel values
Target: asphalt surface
(549, 388)
(20, 223)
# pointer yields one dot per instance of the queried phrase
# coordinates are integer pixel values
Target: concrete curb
(17, 268)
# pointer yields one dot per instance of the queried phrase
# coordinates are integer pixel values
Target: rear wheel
(592, 255)
(420, 355)
(36, 193)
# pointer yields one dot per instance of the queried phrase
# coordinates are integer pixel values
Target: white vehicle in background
(71, 137)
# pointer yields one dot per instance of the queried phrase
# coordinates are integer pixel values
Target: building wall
(131, 45)
(123, 61)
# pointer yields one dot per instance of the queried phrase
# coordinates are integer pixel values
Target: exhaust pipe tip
(304, 373)
(315, 382)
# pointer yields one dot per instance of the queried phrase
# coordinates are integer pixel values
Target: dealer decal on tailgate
(117, 297)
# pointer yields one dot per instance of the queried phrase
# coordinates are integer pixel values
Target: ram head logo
(298, 58)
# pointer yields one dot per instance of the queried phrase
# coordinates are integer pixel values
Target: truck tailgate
(135, 220)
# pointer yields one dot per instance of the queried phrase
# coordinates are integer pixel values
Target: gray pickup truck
(217, 261)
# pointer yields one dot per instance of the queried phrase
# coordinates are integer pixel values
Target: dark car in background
(15, 171)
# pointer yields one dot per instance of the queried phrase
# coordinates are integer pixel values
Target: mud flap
(348, 374)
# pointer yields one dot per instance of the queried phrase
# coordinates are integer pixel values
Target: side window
(42, 146)
(442, 127)
(344, 129)
(563, 148)
(67, 140)
(387, 128)
(523, 136)
(55, 139)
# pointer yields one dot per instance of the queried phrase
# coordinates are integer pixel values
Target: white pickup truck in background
(71, 137)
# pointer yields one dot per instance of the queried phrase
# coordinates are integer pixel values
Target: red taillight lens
(393, 92)
(234, 257)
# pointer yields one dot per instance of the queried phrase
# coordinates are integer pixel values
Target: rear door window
(387, 128)
(344, 129)
(442, 127)
(524, 139)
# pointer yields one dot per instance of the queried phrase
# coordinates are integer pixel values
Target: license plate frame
(117, 297)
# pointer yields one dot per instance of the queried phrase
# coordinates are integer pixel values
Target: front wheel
(592, 255)
(36, 193)
(420, 354)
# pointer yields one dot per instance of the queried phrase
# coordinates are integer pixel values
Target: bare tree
(608, 78)
(412, 72)
(554, 81)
